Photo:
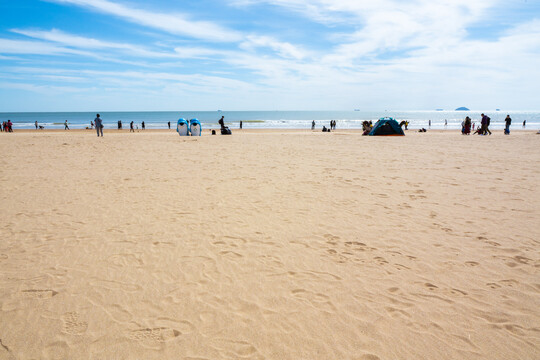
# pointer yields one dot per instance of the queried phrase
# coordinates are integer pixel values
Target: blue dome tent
(386, 126)
(195, 127)
(182, 127)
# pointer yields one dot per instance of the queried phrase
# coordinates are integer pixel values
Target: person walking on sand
(508, 121)
(131, 127)
(10, 126)
(483, 124)
(66, 127)
(488, 121)
(99, 125)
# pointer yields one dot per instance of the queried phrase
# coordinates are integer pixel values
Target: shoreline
(207, 132)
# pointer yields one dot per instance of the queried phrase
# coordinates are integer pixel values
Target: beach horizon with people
(274, 119)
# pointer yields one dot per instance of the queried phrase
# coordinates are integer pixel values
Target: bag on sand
(226, 131)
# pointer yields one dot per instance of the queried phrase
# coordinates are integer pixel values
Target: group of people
(325, 129)
(7, 126)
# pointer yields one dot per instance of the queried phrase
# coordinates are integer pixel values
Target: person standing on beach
(36, 123)
(313, 125)
(483, 125)
(524, 121)
(99, 125)
(10, 126)
(508, 121)
(240, 124)
(131, 127)
(66, 127)
(429, 123)
(221, 122)
(488, 121)
(169, 124)
(142, 125)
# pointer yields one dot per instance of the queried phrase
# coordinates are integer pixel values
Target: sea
(443, 120)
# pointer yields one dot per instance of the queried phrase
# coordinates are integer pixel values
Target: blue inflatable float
(195, 127)
(182, 127)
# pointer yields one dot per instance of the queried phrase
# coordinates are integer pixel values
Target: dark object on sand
(213, 132)
(226, 131)
(386, 126)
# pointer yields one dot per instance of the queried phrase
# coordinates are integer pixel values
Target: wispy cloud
(175, 23)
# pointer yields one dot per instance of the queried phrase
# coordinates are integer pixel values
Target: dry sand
(269, 245)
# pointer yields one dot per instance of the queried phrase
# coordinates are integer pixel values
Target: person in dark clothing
(221, 122)
(524, 121)
(66, 127)
(313, 125)
(483, 125)
(488, 121)
(169, 124)
(142, 125)
(240, 124)
(508, 121)
(119, 124)
(99, 125)
(131, 127)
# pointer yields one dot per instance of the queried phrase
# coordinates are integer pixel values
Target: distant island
(439, 109)
(463, 108)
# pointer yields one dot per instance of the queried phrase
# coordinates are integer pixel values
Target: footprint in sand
(318, 300)
(73, 325)
(471, 263)
(369, 357)
(56, 351)
(157, 334)
(234, 349)
(37, 294)
(430, 286)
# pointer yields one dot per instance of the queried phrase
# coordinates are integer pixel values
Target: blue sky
(83, 55)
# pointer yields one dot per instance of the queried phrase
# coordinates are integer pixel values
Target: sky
(165, 55)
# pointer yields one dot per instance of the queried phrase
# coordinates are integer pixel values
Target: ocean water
(269, 119)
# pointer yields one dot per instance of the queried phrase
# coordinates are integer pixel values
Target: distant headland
(463, 108)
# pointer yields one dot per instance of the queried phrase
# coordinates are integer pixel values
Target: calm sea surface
(268, 119)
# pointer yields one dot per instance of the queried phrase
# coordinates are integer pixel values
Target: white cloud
(284, 49)
(174, 23)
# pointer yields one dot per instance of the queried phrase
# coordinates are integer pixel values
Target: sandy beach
(269, 245)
